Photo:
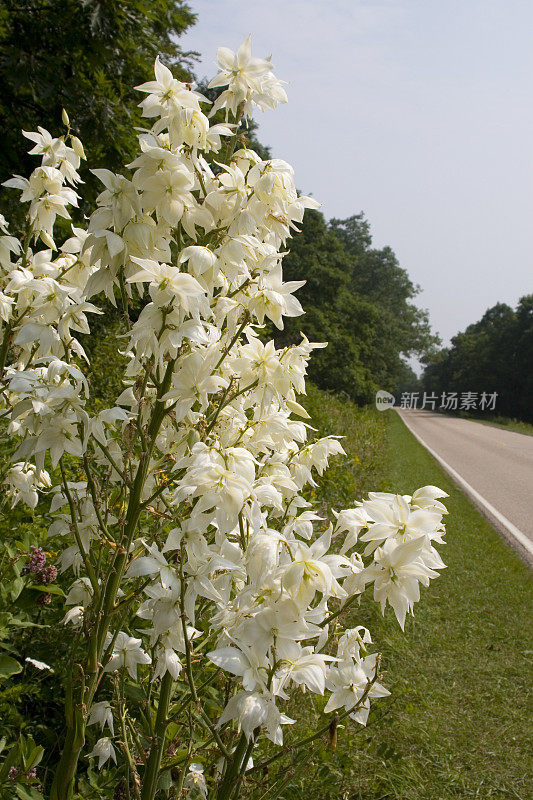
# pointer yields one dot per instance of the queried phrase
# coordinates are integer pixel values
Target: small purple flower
(31, 774)
(13, 772)
(47, 575)
(36, 560)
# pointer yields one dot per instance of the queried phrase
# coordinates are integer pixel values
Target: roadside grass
(363, 432)
(456, 724)
(507, 424)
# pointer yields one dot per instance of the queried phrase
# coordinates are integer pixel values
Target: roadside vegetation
(516, 425)
(494, 354)
(457, 723)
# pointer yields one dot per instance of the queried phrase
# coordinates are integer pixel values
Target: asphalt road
(497, 464)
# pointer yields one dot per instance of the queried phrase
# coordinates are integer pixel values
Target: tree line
(494, 354)
(85, 55)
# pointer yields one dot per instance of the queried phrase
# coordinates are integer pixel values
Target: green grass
(507, 424)
(456, 725)
(363, 432)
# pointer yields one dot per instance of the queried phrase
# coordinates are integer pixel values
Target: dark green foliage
(332, 313)
(362, 432)
(18, 769)
(104, 347)
(86, 56)
(492, 355)
(30, 701)
(408, 380)
(360, 301)
(402, 329)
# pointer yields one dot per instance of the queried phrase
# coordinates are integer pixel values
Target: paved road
(496, 463)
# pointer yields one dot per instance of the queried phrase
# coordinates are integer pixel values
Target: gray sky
(417, 112)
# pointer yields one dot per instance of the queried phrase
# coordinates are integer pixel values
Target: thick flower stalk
(206, 590)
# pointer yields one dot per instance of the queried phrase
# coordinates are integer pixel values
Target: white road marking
(517, 534)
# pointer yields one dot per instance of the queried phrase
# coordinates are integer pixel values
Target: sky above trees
(425, 109)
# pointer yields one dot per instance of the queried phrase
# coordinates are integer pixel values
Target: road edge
(518, 540)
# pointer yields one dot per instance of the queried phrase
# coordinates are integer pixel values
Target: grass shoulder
(506, 423)
(516, 425)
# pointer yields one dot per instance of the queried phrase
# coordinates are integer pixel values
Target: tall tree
(494, 354)
(377, 275)
(524, 357)
(334, 314)
(358, 299)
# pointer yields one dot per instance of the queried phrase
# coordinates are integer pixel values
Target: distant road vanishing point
(493, 466)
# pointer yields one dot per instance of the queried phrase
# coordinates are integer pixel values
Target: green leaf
(28, 793)
(8, 666)
(165, 781)
(134, 693)
(16, 587)
(10, 761)
(34, 757)
(52, 589)
(9, 648)
(30, 752)
(20, 623)
(93, 778)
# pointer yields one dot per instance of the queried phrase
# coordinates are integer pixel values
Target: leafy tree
(85, 56)
(378, 277)
(494, 354)
(359, 300)
(408, 380)
(333, 313)
(524, 358)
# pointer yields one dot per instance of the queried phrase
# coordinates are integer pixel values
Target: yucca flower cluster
(198, 565)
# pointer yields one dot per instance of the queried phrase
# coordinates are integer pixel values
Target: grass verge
(507, 424)
(457, 724)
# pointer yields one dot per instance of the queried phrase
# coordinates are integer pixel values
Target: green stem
(63, 784)
(75, 738)
(112, 461)
(151, 774)
(240, 329)
(94, 496)
(85, 556)
(244, 764)
(131, 768)
(229, 782)
(223, 404)
(351, 600)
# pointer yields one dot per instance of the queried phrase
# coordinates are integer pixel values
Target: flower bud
(77, 147)
(193, 437)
